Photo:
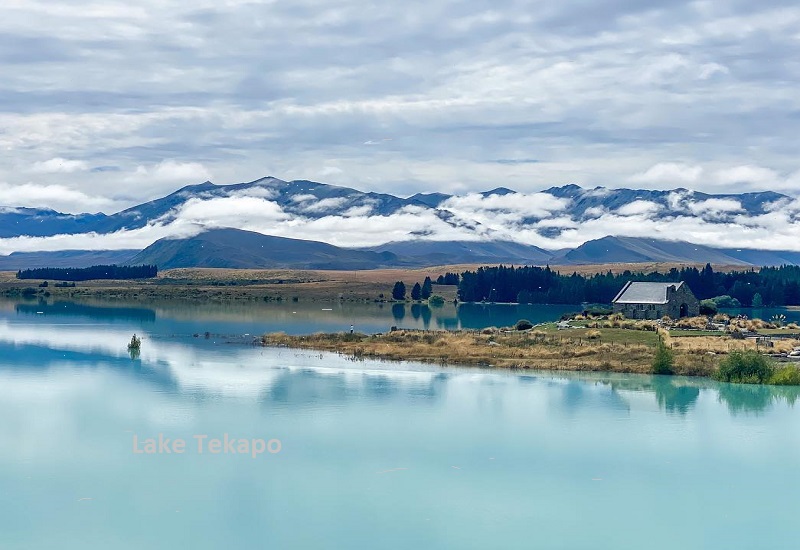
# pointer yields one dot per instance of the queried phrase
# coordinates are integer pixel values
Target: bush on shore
(788, 375)
(664, 359)
(523, 324)
(745, 367)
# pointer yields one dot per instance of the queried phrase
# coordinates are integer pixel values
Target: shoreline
(281, 284)
(517, 350)
(622, 351)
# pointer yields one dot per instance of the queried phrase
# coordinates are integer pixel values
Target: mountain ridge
(469, 218)
(234, 248)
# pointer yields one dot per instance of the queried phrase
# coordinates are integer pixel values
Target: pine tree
(399, 291)
(427, 288)
(416, 292)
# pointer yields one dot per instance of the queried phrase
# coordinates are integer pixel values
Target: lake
(369, 454)
(256, 318)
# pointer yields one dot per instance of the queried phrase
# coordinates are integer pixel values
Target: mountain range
(299, 202)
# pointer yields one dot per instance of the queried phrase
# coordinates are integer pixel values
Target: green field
(607, 335)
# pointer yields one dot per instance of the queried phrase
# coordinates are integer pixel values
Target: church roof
(645, 293)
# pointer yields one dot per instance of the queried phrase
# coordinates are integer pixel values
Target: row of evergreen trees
(418, 291)
(90, 273)
(769, 286)
(448, 279)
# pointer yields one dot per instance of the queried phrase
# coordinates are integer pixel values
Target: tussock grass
(529, 350)
(582, 349)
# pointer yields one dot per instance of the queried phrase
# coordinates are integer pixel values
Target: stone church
(656, 300)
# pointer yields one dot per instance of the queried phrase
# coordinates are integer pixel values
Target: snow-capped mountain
(499, 224)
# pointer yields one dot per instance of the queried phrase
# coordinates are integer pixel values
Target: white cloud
(715, 206)
(518, 217)
(595, 211)
(325, 205)
(171, 171)
(303, 198)
(330, 171)
(638, 207)
(259, 192)
(242, 212)
(359, 211)
(120, 240)
(59, 165)
(747, 174)
(509, 206)
(669, 174)
(57, 197)
(446, 93)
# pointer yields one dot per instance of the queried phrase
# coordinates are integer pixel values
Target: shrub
(436, 300)
(649, 326)
(593, 334)
(745, 367)
(523, 324)
(135, 343)
(663, 359)
(788, 375)
(726, 301)
(708, 307)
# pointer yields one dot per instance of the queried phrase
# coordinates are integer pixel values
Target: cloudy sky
(106, 104)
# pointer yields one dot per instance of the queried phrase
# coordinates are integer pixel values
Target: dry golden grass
(210, 284)
(522, 350)
(726, 344)
(219, 285)
(591, 349)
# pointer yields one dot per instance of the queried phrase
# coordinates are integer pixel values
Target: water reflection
(411, 448)
(747, 398)
(577, 395)
(41, 336)
(72, 309)
(398, 312)
(674, 398)
(257, 317)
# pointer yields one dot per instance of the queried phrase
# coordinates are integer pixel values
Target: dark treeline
(768, 286)
(448, 279)
(89, 273)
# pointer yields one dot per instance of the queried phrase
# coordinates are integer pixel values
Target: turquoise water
(373, 455)
(792, 314)
(226, 319)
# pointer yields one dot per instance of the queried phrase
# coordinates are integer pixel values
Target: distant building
(656, 300)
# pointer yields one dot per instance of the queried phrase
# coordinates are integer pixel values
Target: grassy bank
(616, 350)
(604, 350)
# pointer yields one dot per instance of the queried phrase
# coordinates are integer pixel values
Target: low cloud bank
(539, 219)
